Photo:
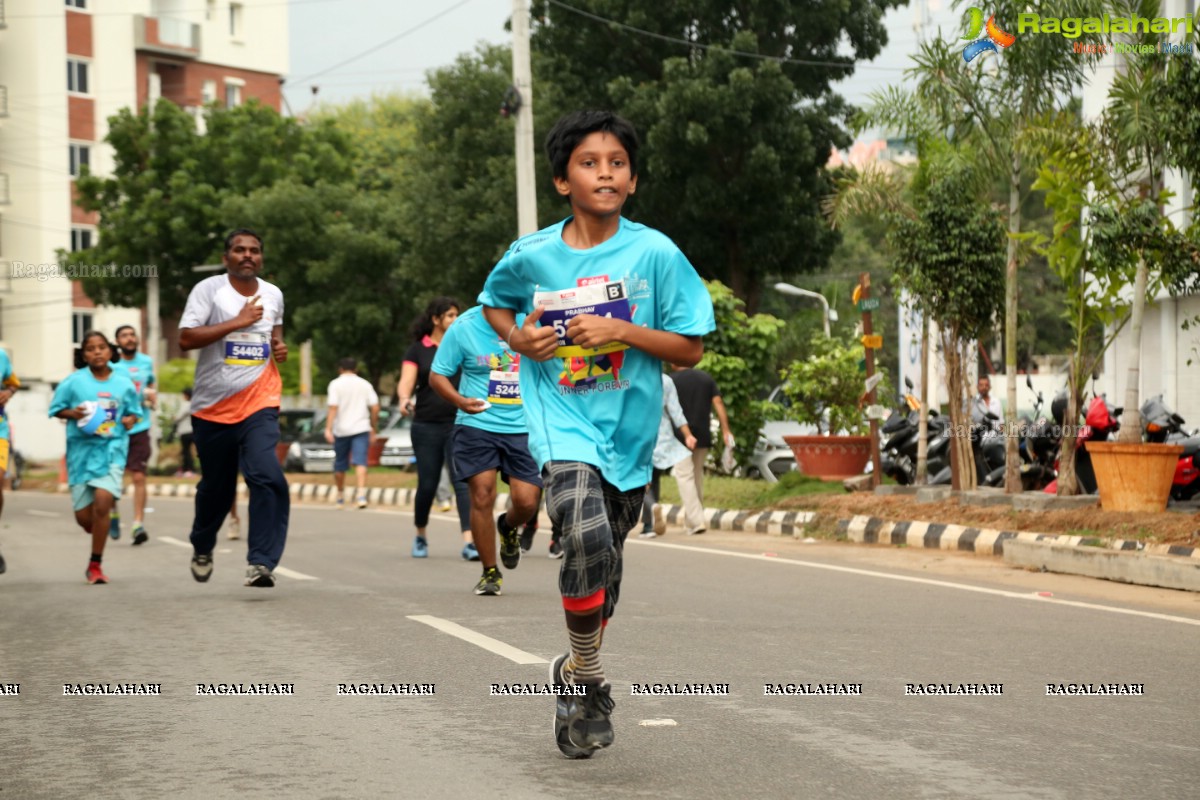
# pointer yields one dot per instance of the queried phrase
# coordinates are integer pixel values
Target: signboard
(873, 381)
(872, 342)
(877, 412)
(868, 304)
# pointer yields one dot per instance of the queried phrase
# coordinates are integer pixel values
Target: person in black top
(433, 422)
(698, 396)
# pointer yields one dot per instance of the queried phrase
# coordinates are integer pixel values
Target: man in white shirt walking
(350, 427)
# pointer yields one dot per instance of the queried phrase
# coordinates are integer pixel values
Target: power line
(381, 45)
(700, 46)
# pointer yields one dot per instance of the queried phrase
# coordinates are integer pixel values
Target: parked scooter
(902, 429)
(1100, 423)
(1163, 425)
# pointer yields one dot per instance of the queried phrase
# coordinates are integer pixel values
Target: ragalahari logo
(993, 35)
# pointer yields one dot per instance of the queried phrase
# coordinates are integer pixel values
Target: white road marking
(658, 723)
(33, 512)
(929, 582)
(284, 571)
(479, 640)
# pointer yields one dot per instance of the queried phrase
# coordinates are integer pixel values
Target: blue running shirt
(599, 407)
(90, 455)
(140, 370)
(7, 381)
(490, 371)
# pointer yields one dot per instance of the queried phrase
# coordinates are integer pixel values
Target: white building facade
(66, 66)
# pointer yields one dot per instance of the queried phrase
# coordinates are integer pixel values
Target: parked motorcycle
(902, 429)
(1163, 425)
(1100, 423)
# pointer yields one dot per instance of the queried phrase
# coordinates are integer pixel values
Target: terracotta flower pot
(1134, 477)
(830, 457)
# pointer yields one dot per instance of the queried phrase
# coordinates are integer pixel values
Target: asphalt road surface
(742, 610)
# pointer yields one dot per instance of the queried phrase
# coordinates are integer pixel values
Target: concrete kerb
(1128, 561)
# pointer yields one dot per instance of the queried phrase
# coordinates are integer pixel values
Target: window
(81, 239)
(80, 156)
(208, 92)
(76, 3)
(210, 10)
(77, 76)
(233, 95)
(235, 20)
(81, 323)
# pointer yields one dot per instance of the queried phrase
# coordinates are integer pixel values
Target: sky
(415, 37)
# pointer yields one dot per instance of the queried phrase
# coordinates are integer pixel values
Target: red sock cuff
(581, 605)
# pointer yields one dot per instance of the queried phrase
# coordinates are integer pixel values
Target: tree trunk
(1068, 485)
(1012, 461)
(956, 359)
(1131, 420)
(923, 424)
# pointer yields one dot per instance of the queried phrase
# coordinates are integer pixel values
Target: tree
(733, 145)
(162, 203)
(988, 106)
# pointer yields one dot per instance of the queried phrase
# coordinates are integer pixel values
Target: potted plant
(826, 391)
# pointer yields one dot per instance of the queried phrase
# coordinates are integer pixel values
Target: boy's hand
(129, 420)
(589, 330)
(532, 340)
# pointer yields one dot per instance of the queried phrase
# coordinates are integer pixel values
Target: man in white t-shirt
(350, 427)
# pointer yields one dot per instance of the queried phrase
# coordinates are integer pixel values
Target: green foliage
(175, 375)
(826, 389)
(1177, 97)
(739, 355)
(733, 146)
(162, 203)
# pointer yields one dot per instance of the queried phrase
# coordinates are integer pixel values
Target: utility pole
(523, 82)
(871, 342)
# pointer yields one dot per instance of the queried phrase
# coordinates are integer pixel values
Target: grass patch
(746, 494)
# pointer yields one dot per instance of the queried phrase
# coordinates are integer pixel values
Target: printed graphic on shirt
(504, 384)
(587, 368)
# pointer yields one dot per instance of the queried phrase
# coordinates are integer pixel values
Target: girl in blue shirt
(100, 407)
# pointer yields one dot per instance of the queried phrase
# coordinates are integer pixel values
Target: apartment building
(66, 66)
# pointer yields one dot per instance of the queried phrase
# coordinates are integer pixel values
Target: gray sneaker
(260, 576)
(201, 567)
(566, 709)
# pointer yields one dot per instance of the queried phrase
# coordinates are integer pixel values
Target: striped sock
(585, 632)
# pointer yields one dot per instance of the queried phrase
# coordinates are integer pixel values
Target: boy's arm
(589, 330)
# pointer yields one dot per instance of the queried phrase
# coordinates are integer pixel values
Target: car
(772, 457)
(397, 447)
(295, 423)
(308, 450)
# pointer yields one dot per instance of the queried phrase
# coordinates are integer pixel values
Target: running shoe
(201, 567)
(234, 529)
(341, 503)
(647, 533)
(445, 506)
(94, 574)
(469, 553)
(114, 526)
(139, 534)
(510, 543)
(362, 501)
(593, 727)
(660, 524)
(697, 531)
(527, 535)
(420, 547)
(259, 576)
(556, 550)
(490, 583)
(565, 708)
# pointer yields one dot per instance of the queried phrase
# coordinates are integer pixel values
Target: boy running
(104, 406)
(608, 300)
(489, 435)
(139, 368)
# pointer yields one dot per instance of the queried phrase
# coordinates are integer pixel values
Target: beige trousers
(689, 475)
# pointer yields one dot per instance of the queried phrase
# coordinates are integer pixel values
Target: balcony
(166, 36)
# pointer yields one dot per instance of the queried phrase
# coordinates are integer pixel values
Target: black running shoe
(566, 708)
(139, 535)
(556, 550)
(593, 728)
(510, 543)
(201, 567)
(259, 576)
(527, 535)
(490, 583)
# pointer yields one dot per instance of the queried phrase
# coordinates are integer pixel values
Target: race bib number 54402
(601, 299)
(245, 349)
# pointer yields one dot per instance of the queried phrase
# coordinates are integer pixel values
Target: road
(739, 609)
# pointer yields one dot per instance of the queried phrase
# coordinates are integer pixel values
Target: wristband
(508, 339)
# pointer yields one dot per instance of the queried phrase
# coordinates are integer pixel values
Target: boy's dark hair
(117, 335)
(241, 232)
(347, 364)
(573, 128)
(422, 326)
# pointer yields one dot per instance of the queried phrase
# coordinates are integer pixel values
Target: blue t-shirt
(601, 408)
(140, 370)
(490, 371)
(91, 455)
(7, 381)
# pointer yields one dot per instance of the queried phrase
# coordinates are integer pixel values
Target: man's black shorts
(139, 452)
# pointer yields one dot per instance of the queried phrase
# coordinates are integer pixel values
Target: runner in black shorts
(129, 361)
(489, 435)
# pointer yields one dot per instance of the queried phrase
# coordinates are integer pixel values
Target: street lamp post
(828, 314)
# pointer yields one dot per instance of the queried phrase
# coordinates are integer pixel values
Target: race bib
(504, 387)
(246, 349)
(601, 299)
